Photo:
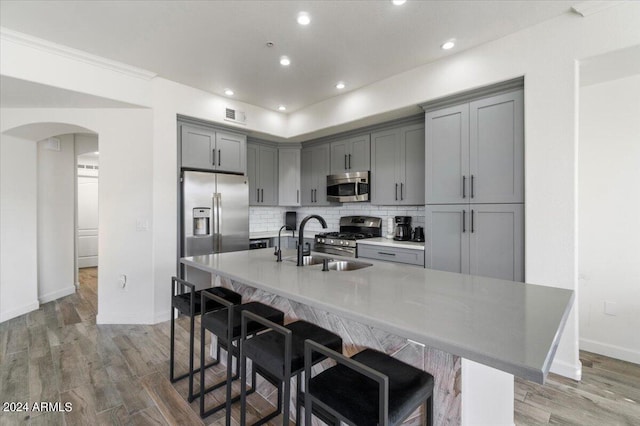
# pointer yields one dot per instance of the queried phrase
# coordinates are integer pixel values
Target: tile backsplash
(272, 218)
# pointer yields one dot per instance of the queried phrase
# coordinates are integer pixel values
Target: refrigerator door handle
(218, 224)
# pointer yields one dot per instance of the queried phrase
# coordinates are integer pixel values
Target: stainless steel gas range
(352, 228)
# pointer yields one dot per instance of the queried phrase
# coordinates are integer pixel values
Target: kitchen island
(472, 333)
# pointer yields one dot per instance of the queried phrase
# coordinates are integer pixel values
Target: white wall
(18, 227)
(609, 225)
(55, 212)
(125, 200)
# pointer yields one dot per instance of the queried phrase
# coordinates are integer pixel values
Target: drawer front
(410, 256)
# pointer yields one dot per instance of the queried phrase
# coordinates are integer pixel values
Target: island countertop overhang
(513, 327)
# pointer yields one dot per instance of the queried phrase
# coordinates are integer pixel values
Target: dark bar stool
(367, 389)
(277, 356)
(226, 324)
(189, 303)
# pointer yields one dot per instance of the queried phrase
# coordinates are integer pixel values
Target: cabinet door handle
(262, 195)
(349, 161)
(297, 195)
(213, 157)
(257, 195)
(464, 185)
(401, 190)
(345, 161)
(396, 192)
(464, 221)
(315, 195)
(472, 191)
(386, 254)
(312, 195)
(472, 230)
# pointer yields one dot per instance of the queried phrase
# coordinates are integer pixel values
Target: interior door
(87, 221)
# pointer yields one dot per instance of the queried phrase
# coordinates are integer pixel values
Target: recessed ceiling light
(398, 2)
(448, 45)
(97, 152)
(340, 85)
(282, 108)
(228, 92)
(304, 18)
(285, 61)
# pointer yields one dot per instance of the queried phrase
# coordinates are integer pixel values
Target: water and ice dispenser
(201, 221)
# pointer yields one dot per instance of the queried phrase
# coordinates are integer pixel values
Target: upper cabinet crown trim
(184, 119)
(475, 94)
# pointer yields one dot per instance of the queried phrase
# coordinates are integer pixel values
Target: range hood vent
(235, 116)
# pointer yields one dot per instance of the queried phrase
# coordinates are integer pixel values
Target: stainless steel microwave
(348, 187)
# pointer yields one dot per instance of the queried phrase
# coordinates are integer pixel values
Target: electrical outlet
(611, 308)
(122, 281)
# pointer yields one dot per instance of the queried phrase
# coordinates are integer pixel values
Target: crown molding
(587, 8)
(74, 54)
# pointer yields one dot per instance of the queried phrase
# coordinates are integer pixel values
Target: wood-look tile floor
(118, 374)
(111, 374)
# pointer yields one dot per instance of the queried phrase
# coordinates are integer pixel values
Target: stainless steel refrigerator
(214, 216)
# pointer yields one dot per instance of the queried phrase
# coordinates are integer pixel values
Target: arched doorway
(38, 189)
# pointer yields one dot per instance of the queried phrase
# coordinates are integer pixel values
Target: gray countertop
(509, 326)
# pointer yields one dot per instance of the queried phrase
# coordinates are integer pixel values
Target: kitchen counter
(510, 326)
(392, 243)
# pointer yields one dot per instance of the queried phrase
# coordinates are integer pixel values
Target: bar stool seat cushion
(216, 322)
(267, 349)
(356, 396)
(182, 301)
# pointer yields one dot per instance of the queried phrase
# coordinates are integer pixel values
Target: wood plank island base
(471, 333)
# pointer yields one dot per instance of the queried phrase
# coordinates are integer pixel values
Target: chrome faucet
(301, 250)
(278, 251)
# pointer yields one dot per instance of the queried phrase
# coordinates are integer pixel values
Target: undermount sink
(308, 260)
(347, 265)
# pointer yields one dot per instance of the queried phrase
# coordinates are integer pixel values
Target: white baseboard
(572, 371)
(45, 298)
(7, 315)
(613, 351)
(162, 316)
(122, 318)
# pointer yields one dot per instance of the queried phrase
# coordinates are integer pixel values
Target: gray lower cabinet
(316, 166)
(397, 170)
(211, 149)
(475, 151)
(476, 239)
(262, 168)
(351, 155)
(391, 254)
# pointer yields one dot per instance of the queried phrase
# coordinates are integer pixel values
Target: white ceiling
(212, 45)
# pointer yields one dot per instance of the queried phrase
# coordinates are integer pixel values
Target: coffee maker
(403, 228)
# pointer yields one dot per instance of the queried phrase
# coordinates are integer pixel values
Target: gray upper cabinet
(351, 155)
(212, 149)
(397, 172)
(262, 169)
(475, 151)
(289, 176)
(231, 152)
(315, 168)
(477, 239)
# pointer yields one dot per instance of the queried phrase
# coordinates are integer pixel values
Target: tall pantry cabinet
(474, 187)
